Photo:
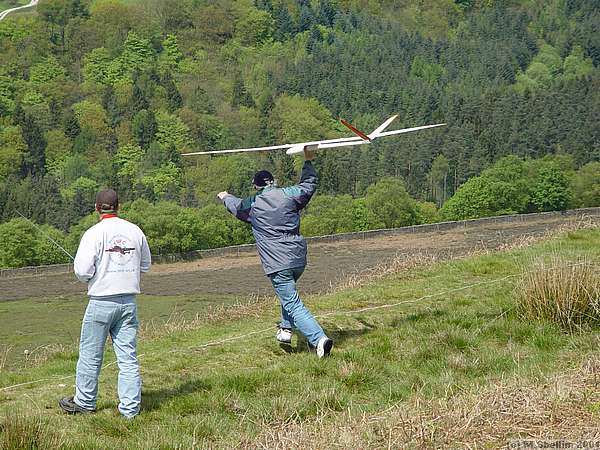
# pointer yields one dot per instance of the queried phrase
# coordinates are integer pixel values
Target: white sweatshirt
(111, 256)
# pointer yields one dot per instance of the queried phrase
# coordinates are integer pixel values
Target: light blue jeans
(293, 312)
(117, 316)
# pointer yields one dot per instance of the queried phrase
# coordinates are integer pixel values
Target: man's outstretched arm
(236, 206)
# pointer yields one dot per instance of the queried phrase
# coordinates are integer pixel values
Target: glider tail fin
(377, 131)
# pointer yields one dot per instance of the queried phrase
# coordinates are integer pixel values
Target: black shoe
(68, 405)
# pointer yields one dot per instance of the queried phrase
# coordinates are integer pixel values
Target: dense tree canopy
(97, 93)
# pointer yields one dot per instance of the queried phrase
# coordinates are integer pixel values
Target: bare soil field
(329, 262)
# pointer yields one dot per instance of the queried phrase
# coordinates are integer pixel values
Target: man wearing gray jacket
(274, 214)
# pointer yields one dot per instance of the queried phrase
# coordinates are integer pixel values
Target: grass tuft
(560, 291)
(19, 431)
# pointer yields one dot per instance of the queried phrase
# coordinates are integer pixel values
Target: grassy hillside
(30, 333)
(429, 356)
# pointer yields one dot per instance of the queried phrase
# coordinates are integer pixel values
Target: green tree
(168, 227)
(36, 106)
(427, 212)
(83, 185)
(76, 231)
(17, 244)
(328, 214)
(284, 25)
(96, 67)
(219, 228)
(576, 65)
(298, 119)
(360, 215)
(110, 22)
(46, 251)
(326, 13)
(501, 189)
(430, 72)
(586, 186)
(174, 99)
(74, 167)
(144, 127)
(34, 159)
(164, 182)
(137, 56)
(215, 24)
(92, 119)
(545, 67)
(12, 149)
(438, 179)
(80, 198)
(57, 149)
(170, 56)
(128, 159)
(254, 28)
(172, 131)
(240, 96)
(232, 173)
(389, 204)
(45, 72)
(7, 103)
(550, 190)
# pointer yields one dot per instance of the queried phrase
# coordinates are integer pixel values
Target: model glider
(360, 138)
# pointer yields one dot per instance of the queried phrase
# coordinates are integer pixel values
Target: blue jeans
(117, 316)
(293, 312)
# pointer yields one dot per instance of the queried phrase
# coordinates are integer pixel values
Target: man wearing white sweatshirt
(111, 256)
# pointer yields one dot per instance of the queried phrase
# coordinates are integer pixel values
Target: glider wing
(360, 138)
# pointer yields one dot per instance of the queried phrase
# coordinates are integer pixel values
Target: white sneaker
(324, 347)
(284, 336)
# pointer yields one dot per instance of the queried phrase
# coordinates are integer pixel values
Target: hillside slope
(424, 357)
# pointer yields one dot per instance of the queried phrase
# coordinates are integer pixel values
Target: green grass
(43, 325)
(232, 394)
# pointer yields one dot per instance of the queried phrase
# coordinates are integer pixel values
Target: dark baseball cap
(262, 178)
(107, 200)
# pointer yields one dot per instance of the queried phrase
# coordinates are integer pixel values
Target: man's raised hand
(309, 155)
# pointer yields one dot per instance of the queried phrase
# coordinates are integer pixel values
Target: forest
(110, 93)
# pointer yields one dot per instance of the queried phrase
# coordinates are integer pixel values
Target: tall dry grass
(18, 431)
(559, 407)
(560, 291)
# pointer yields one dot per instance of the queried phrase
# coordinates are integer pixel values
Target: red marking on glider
(355, 130)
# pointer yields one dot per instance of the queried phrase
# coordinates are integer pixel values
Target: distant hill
(112, 92)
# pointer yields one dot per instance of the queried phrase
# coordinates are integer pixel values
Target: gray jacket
(275, 217)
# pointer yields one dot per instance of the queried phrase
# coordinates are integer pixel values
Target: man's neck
(108, 215)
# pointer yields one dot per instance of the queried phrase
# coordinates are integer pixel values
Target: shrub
(560, 291)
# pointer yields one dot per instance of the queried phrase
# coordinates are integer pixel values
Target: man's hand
(309, 155)
(222, 195)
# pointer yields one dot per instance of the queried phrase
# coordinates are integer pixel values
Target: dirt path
(329, 263)
(5, 13)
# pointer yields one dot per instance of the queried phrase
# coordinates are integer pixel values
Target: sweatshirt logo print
(120, 250)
